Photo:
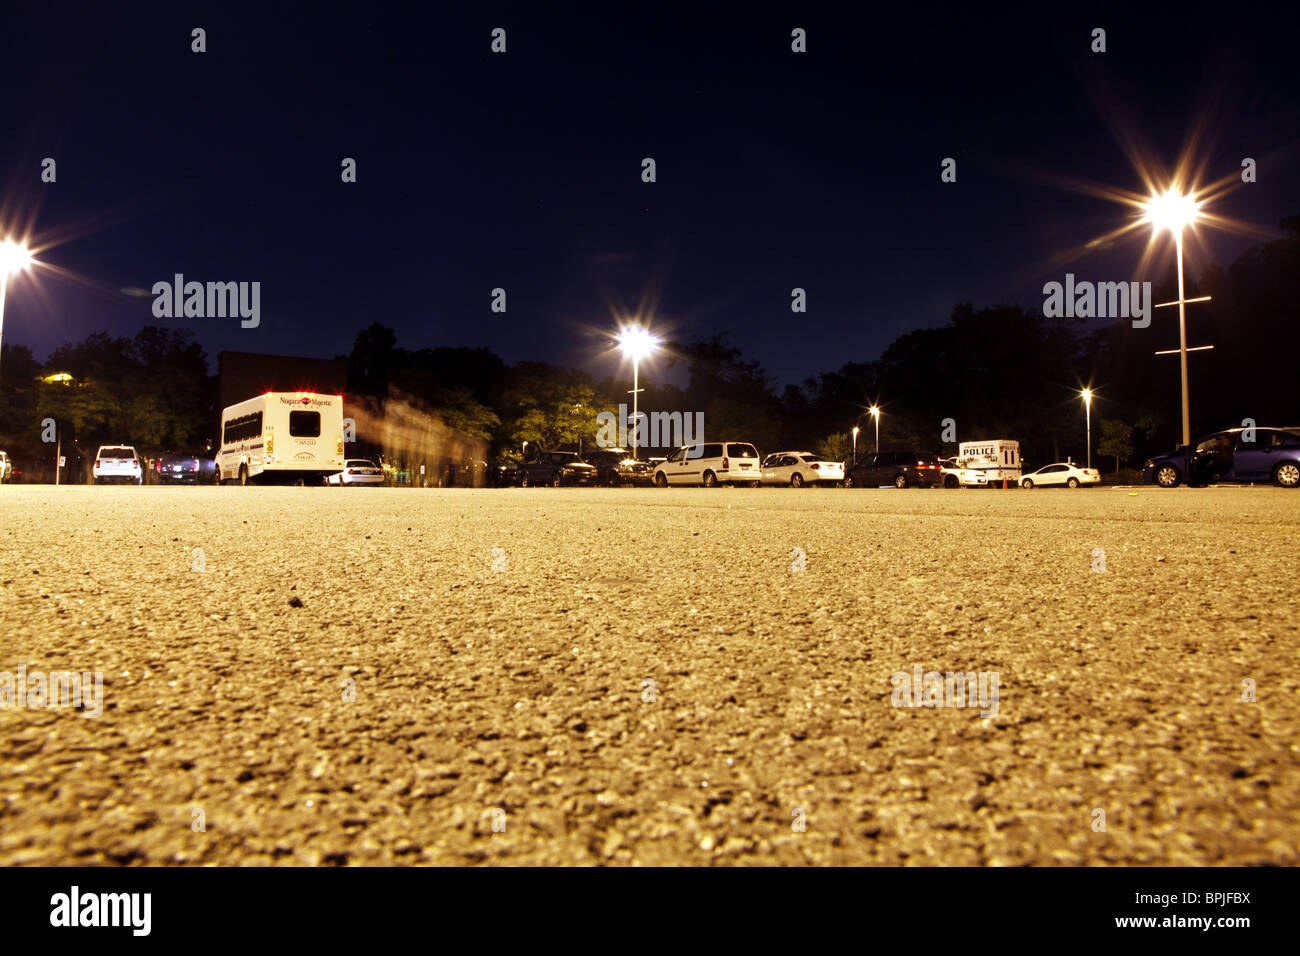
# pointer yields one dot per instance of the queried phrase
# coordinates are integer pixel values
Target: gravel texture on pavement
(679, 676)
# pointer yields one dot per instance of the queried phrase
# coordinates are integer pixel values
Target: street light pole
(14, 257)
(636, 343)
(636, 394)
(855, 444)
(875, 413)
(1087, 405)
(1182, 338)
(575, 408)
(1175, 212)
(4, 287)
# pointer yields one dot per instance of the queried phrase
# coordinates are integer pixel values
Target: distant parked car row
(1257, 454)
(601, 466)
(709, 464)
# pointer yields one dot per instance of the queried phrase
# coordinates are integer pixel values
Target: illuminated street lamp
(875, 413)
(576, 408)
(1087, 405)
(855, 444)
(636, 343)
(1175, 211)
(14, 258)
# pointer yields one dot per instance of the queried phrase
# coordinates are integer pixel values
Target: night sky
(523, 170)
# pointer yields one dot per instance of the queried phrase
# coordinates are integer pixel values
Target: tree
(1116, 440)
(371, 364)
(836, 446)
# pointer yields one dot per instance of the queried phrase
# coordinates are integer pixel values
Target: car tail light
(99, 462)
(194, 467)
(157, 465)
(724, 464)
(350, 471)
(814, 466)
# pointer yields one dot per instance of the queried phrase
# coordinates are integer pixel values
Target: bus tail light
(340, 446)
(270, 444)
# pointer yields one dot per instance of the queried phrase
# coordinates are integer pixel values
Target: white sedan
(799, 468)
(1062, 473)
(358, 471)
(955, 476)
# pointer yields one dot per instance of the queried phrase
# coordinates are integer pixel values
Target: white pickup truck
(117, 463)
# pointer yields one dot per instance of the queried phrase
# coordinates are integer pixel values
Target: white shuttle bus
(998, 460)
(284, 437)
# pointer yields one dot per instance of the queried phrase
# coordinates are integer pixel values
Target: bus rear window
(304, 424)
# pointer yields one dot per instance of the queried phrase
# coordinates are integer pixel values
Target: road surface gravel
(679, 676)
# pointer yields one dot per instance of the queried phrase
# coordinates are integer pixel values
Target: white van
(997, 460)
(709, 464)
(282, 436)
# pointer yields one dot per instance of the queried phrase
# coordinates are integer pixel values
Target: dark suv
(1274, 456)
(902, 469)
(616, 466)
(556, 468)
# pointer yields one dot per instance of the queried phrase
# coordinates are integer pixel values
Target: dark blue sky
(522, 171)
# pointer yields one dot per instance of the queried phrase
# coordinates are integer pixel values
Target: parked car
(6, 467)
(799, 468)
(1061, 473)
(556, 468)
(616, 466)
(957, 476)
(503, 475)
(902, 469)
(357, 471)
(184, 468)
(709, 464)
(118, 463)
(1274, 456)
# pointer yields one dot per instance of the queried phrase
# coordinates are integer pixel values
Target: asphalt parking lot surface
(679, 676)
